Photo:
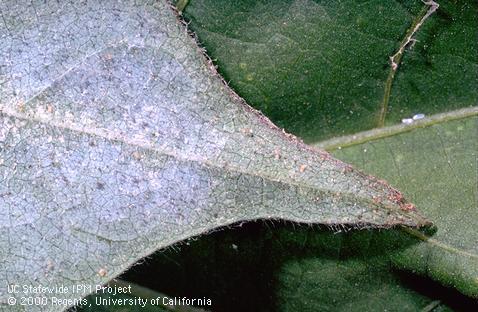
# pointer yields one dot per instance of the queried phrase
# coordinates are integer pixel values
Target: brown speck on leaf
(102, 272)
(49, 266)
(277, 154)
(395, 197)
(347, 169)
(324, 155)
(108, 57)
(49, 108)
(21, 106)
(302, 168)
(408, 207)
(376, 199)
(288, 135)
(247, 132)
(136, 155)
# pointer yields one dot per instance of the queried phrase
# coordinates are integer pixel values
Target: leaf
(436, 167)
(285, 267)
(132, 298)
(117, 138)
(321, 68)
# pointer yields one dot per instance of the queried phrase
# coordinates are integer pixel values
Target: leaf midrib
(440, 244)
(114, 137)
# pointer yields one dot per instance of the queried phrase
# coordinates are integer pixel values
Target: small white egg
(418, 116)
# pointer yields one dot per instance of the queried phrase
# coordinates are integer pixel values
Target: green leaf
(321, 68)
(118, 138)
(286, 267)
(436, 167)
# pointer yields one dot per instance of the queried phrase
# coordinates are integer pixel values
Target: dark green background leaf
(290, 267)
(319, 68)
(437, 168)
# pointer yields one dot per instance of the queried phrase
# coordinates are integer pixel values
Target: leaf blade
(319, 69)
(435, 166)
